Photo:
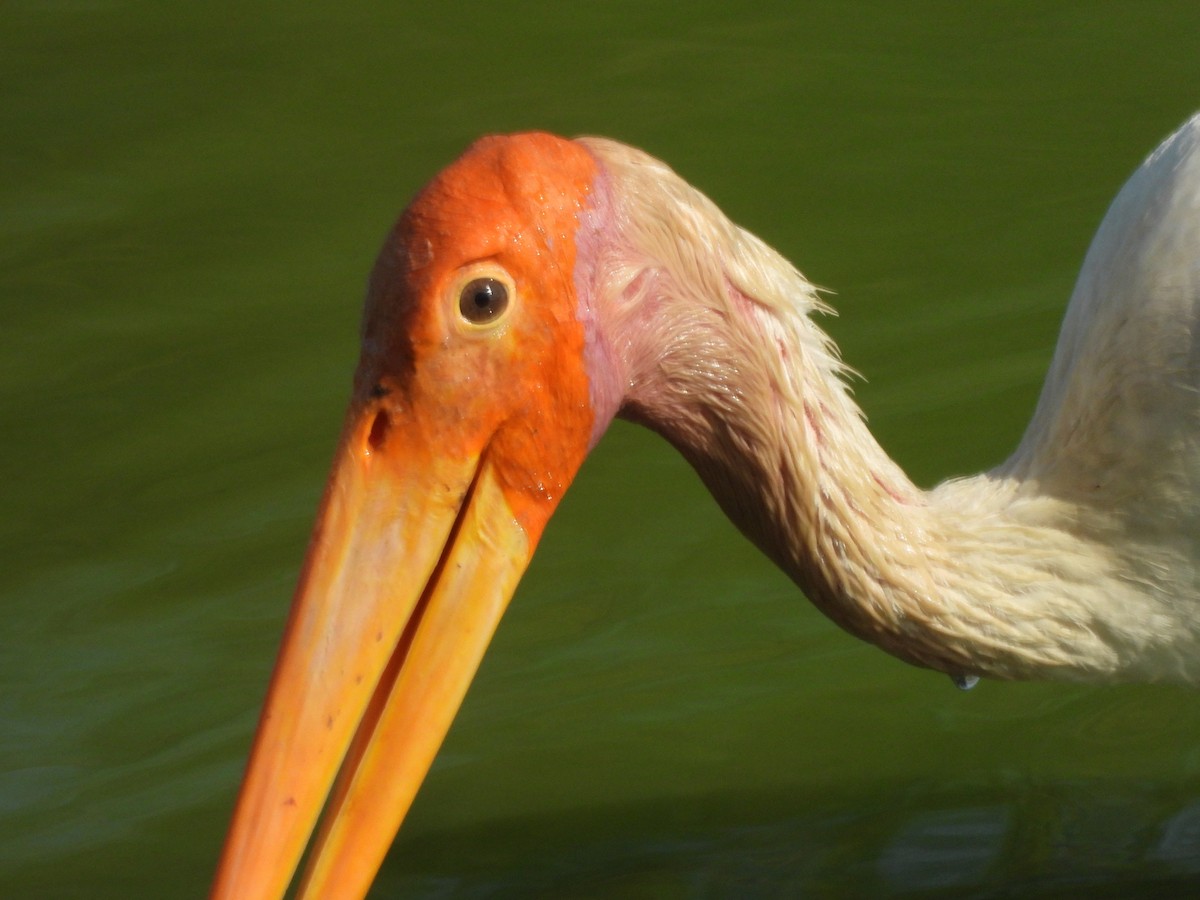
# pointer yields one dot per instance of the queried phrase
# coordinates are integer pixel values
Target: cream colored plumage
(1074, 559)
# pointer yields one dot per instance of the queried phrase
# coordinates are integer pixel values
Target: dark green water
(190, 198)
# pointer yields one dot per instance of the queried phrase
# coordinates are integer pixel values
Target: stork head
(479, 391)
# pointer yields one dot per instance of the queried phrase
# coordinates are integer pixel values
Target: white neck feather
(710, 335)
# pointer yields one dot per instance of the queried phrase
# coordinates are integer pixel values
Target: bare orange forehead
(503, 189)
(515, 199)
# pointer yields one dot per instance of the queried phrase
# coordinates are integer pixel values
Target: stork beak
(413, 560)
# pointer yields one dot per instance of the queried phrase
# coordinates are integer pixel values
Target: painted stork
(539, 287)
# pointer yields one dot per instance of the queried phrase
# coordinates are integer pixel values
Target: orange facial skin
(523, 391)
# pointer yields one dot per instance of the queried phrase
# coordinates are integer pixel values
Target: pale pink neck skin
(606, 368)
(701, 332)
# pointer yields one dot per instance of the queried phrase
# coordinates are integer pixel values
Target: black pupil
(482, 300)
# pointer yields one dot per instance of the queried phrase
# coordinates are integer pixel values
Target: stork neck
(972, 578)
(763, 416)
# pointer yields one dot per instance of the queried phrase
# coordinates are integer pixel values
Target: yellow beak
(413, 560)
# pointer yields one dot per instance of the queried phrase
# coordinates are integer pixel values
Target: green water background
(190, 199)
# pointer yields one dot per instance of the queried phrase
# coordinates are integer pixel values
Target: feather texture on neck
(710, 339)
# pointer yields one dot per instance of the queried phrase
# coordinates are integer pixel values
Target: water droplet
(964, 682)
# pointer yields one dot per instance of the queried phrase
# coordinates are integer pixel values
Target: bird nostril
(379, 431)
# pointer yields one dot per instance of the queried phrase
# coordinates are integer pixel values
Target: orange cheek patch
(539, 450)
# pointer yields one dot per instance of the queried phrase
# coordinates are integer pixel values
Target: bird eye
(483, 300)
